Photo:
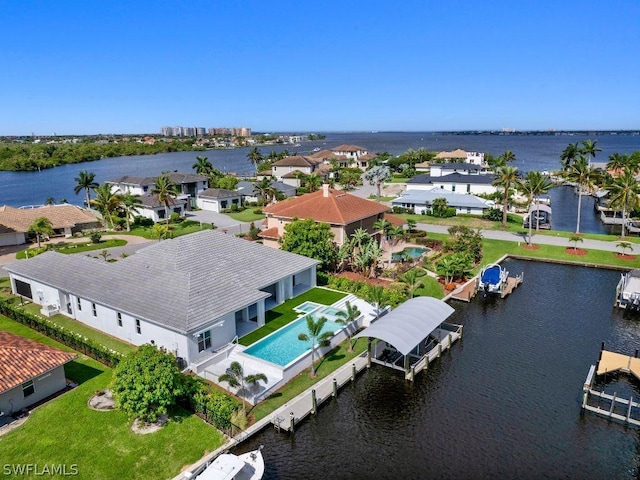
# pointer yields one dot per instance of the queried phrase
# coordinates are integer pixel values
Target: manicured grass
(284, 314)
(431, 288)
(176, 229)
(79, 247)
(399, 180)
(382, 198)
(101, 444)
(79, 327)
(470, 221)
(301, 382)
(246, 215)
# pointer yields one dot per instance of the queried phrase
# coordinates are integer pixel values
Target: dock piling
(292, 421)
(314, 401)
(335, 387)
(353, 372)
(629, 409)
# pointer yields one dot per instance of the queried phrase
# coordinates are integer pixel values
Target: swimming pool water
(283, 346)
(411, 252)
(307, 307)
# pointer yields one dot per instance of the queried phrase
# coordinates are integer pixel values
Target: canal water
(504, 403)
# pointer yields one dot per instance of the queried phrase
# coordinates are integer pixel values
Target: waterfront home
(420, 201)
(459, 155)
(152, 208)
(342, 211)
(218, 199)
(191, 295)
(65, 219)
(249, 194)
(189, 185)
(29, 372)
(357, 157)
(455, 177)
(289, 169)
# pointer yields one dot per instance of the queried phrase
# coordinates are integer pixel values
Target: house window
(79, 303)
(145, 189)
(204, 340)
(119, 316)
(93, 310)
(138, 328)
(468, 188)
(469, 210)
(453, 188)
(28, 389)
(223, 204)
(235, 200)
(161, 213)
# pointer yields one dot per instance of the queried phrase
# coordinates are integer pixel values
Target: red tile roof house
(29, 372)
(343, 211)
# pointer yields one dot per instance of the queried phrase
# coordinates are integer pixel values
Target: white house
(29, 372)
(192, 295)
(218, 199)
(421, 200)
(459, 155)
(155, 210)
(455, 177)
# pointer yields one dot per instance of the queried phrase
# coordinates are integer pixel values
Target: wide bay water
(536, 152)
(504, 403)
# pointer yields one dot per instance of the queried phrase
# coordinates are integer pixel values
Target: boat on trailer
(493, 278)
(248, 466)
(628, 290)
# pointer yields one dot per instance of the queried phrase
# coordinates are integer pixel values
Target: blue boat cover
(491, 275)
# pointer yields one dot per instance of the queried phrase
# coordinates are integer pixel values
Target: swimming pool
(307, 307)
(282, 347)
(410, 252)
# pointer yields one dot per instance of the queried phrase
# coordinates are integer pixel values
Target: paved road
(220, 220)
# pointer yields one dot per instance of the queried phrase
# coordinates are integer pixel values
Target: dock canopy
(408, 324)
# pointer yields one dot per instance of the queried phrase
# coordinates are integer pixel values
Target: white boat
(628, 290)
(493, 278)
(248, 466)
(317, 149)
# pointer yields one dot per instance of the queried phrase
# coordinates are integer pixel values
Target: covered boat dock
(411, 336)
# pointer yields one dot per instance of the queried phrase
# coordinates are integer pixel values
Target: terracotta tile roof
(325, 154)
(270, 233)
(348, 148)
(293, 174)
(264, 173)
(61, 216)
(394, 219)
(22, 359)
(295, 161)
(338, 208)
(367, 156)
(457, 153)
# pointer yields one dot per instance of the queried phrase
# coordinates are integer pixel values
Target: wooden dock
(612, 362)
(291, 413)
(512, 284)
(467, 291)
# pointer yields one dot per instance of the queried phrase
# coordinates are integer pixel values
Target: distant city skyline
(85, 68)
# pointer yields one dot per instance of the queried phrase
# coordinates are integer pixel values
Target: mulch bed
(579, 252)
(358, 277)
(625, 256)
(533, 246)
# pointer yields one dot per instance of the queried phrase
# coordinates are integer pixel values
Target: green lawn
(301, 382)
(382, 198)
(431, 288)
(101, 444)
(177, 229)
(398, 180)
(79, 247)
(284, 314)
(247, 215)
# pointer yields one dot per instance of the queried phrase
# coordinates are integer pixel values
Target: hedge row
(71, 339)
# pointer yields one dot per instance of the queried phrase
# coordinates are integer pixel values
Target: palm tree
(580, 173)
(202, 166)
(234, 377)
(254, 380)
(589, 148)
(412, 280)
(315, 335)
(394, 236)
(623, 194)
(508, 157)
(575, 238)
(254, 156)
(130, 204)
(378, 296)
(106, 202)
(346, 317)
(85, 181)
(506, 178)
(568, 155)
(313, 181)
(41, 226)
(382, 226)
(265, 190)
(624, 246)
(534, 184)
(50, 201)
(446, 268)
(166, 191)
(439, 207)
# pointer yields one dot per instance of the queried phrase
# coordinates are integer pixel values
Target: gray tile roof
(129, 180)
(181, 284)
(457, 178)
(424, 197)
(151, 201)
(180, 178)
(218, 193)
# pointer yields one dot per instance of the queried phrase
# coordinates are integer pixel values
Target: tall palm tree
(106, 202)
(533, 185)
(41, 226)
(589, 148)
(265, 190)
(234, 376)
(313, 181)
(50, 201)
(254, 156)
(346, 317)
(316, 336)
(382, 226)
(202, 166)
(580, 174)
(85, 181)
(623, 194)
(395, 235)
(506, 177)
(378, 296)
(568, 155)
(130, 204)
(167, 191)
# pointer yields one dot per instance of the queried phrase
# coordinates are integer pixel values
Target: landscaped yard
(101, 444)
(77, 247)
(283, 314)
(176, 229)
(247, 215)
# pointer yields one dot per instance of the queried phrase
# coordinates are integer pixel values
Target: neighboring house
(218, 199)
(455, 177)
(65, 219)
(421, 200)
(155, 210)
(343, 211)
(133, 185)
(191, 295)
(29, 372)
(358, 157)
(459, 155)
(248, 192)
(190, 184)
(288, 169)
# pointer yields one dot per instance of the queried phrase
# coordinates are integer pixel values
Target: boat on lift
(248, 466)
(493, 278)
(628, 290)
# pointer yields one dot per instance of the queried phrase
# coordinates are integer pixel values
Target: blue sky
(114, 67)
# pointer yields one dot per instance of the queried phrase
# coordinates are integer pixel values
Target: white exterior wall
(44, 385)
(208, 204)
(475, 188)
(132, 189)
(475, 158)
(279, 171)
(13, 238)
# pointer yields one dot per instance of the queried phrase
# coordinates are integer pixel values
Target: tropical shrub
(140, 221)
(95, 237)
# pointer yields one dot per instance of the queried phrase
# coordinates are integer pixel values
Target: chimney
(325, 190)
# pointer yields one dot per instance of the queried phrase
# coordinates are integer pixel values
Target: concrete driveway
(220, 220)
